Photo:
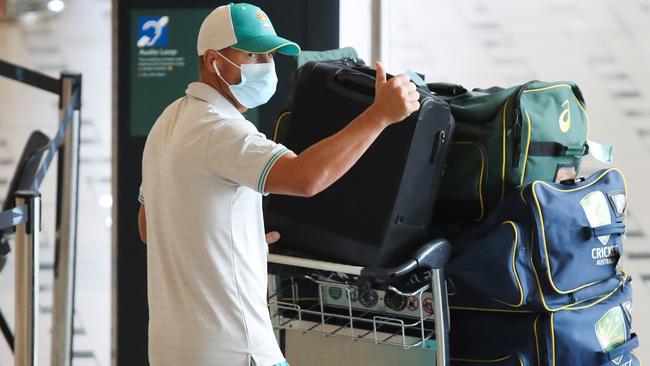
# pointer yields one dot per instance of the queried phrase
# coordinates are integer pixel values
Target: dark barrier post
(66, 225)
(27, 247)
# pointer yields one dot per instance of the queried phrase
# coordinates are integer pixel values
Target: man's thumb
(381, 74)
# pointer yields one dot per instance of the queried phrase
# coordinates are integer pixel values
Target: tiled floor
(602, 45)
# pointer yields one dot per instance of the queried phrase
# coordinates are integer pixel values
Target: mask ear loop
(216, 69)
(227, 59)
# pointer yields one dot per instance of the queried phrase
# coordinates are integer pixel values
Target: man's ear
(209, 58)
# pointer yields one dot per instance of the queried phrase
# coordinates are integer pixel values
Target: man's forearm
(322, 164)
(326, 161)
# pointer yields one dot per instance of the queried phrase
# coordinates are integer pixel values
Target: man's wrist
(374, 116)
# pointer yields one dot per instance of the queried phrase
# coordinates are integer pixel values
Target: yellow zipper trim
(476, 361)
(539, 361)
(514, 269)
(573, 306)
(539, 288)
(552, 339)
(503, 165)
(480, 184)
(548, 88)
(600, 298)
(277, 125)
(582, 107)
(523, 172)
(541, 218)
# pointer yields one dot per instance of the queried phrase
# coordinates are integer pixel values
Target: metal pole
(380, 30)
(440, 316)
(26, 301)
(66, 227)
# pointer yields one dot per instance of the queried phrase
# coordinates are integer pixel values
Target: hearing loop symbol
(158, 27)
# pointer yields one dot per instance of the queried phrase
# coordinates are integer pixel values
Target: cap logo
(262, 17)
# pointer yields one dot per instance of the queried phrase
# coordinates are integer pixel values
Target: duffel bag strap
(601, 152)
(604, 358)
(552, 148)
(611, 229)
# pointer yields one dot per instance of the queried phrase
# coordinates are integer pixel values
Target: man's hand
(272, 237)
(323, 163)
(395, 99)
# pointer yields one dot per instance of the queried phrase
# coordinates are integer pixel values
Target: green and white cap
(244, 27)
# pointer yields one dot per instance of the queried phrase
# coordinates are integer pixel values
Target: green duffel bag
(508, 137)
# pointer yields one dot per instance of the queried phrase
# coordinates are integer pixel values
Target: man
(205, 168)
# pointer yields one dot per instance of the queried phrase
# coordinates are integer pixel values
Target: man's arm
(325, 162)
(142, 224)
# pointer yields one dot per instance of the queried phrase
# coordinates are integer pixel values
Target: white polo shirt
(203, 171)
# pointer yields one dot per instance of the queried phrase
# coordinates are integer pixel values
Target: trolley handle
(432, 255)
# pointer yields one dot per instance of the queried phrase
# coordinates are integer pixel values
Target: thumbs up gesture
(396, 98)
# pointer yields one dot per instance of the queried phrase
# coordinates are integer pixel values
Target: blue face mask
(258, 82)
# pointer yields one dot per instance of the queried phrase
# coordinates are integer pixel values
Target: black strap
(516, 122)
(516, 102)
(30, 77)
(552, 148)
(611, 229)
(6, 331)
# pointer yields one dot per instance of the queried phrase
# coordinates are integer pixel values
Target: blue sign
(153, 31)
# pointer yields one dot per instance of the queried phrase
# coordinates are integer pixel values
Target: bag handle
(604, 358)
(353, 83)
(611, 229)
(447, 89)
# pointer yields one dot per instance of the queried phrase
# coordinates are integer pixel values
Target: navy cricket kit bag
(380, 211)
(548, 246)
(492, 338)
(597, 334)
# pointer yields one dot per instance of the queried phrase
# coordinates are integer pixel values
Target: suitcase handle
(354, 84)
(447, 89)
(432, 255)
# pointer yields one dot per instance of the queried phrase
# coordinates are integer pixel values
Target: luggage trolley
(404, 306)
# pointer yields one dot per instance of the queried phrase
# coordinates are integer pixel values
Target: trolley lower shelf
(368, 305)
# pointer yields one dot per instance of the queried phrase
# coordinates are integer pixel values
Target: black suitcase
(379, 212)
